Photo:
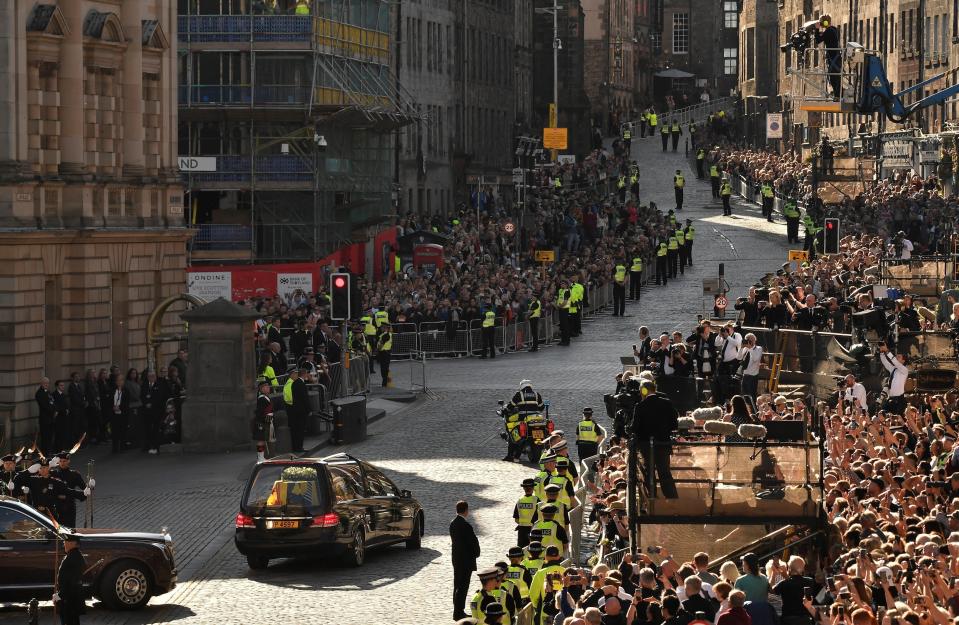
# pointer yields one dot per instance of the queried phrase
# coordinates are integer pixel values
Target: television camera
(800, 41)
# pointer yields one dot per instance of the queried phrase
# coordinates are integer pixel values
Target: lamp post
(557, 46)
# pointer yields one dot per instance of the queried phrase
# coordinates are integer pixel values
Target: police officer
(380, 318)
(517, 575)
(812, 231)
(524, 510)
(384, 351)
(635, 277)
(671, 219)
(562, 478)
(369, 334)
(487, 595)
(791, 213)
(489, 333)
(766, 190)
(619, 290)
(562, 306)
(548, 463)
(700, 163)
(533, 561)
(534, 312)
(664, 135)
(554, 535)
(628, 139)
(661, 266)
(653, 121)
(725, 194)
(643, 121)
(676, 130)
(678, 183)
(577, 294)
(589, 435)
(621, 188)
(681, 252)
(297, 400)
(538, 590)
(69, 596)
(76, 490)
(495, 613)
(692, 133)
(634, 181)
(714, 179)
(672, 248)
(690, 234)
(552, 499)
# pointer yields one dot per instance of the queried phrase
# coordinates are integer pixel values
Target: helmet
(525, 383)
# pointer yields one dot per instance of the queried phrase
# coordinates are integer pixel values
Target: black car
(125, 568)
(337, 505)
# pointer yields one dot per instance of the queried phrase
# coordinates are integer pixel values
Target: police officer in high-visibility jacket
(675, 131)
(517, 574)
(619, 290)
(380, 318)
(678, 183)
(589, 435)
(384, 351)
(691, 126)
(700, 163)
(791, 213)
(634, 182)
(672, 247)
(680, 235)
(576, 303)
(547, 581)
(643, 121)
(635, 276)
(653, 120)
(661, 263)
(690, 234)
(554, 535)
(552, 499)
(725, 194)
(766, 190)
(628, 138)
(812, 233)
(524, 510)
(714, 179)
(664, 135)
(489, 333)
(488, 595)
(534, 312)
(533, 561)
(621, 188)
(562, 307)
(369, 333)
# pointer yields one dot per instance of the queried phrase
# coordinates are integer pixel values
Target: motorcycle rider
(525, 402)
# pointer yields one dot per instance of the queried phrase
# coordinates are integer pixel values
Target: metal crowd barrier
(434, 340)
(405, 340)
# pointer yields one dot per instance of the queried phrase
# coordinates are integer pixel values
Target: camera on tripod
(800, 41)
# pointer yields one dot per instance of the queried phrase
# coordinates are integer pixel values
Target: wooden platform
(828, 107)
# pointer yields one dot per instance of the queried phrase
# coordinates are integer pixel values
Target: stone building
(610, 60)
(758, 50)
(92, 232)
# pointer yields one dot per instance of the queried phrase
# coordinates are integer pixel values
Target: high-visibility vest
(672, 219)
(637, 264)
(676, 128)
(577, 292)
(586, 432)
(678, 181)
(701, 155)
(620, 275)
(560, 517)
(381, 317)
(489, 319)
(692, 128)
(368, 328)
(653, 119)
(627, 135)
(662, 250)
(789, 210)
(664, 130)
(397, 263)
(533, 565)
(525, 507)
(267, 375)
(302, 8)
(633, 179)
(680, 237)
(725, 189)
(535, 309)
(288, 392)
(713, 171)
(549, 530)
(621, 183)
(690, 231)
(644, 116)
(386, 341)
(562, 298)
(673, 244)
(515, 575)
(766, 190)
(557, 183)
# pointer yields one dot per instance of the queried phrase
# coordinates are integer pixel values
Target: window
(293, 487)
(380, 485)
(729, 61)
(731, 14)
(347, 481)
(15, 525)
(680, 33)
(656, 42)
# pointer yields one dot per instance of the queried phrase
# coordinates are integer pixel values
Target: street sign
(545, 256)
(555, 138)
(798, 255)
(197, 163)
(509, 227)
(566, 159)
(774, 125)
(518, 176)
(711, 286)
(721, 302)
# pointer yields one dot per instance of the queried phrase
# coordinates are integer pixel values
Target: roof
(674, 73)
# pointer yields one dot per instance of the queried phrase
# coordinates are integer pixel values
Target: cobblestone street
(442, 450)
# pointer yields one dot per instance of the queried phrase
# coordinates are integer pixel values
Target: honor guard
(690, 234)
(69, 596)
(791, 213)
(714, 179)
(675, 131)
(766, 190)
(661, 258)
(589, 434)
(664, 135)
(523, 512)
(619, 290)
(725, 193)
(635, 277)
(681, 252)
(518, 575)
(678, 183)
(7, 473)
(76, 489)
(534, 312)
(44, 490)
(700, 163)
(673, 248)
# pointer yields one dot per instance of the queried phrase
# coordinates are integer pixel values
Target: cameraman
(901, 246)
(751, 356)
(749, 308)
(677, 363)
(828, 35)
(895, 364)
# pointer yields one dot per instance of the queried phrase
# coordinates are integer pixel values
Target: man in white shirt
(904, 247)
(895, 364)
(854, 396)
(752, 356)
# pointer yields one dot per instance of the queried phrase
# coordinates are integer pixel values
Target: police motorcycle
(524, 434)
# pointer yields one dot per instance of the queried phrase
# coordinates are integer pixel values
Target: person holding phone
(792, 590)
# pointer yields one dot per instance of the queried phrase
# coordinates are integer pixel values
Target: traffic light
(831, 236)
(340, 292)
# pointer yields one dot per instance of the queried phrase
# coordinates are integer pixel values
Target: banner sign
(774, 125)
(209, 285)
(289, 283)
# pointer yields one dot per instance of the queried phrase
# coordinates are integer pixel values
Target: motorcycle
(530, 434)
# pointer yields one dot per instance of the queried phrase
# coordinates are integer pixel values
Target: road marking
(731, 246)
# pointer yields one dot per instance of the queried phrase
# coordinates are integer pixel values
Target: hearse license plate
(282, 525)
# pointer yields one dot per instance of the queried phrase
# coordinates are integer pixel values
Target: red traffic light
(830, 225)
(339, 282)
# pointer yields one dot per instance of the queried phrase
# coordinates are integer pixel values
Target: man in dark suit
(69, 596)
(298, 413)
(48, 412)
(119, 413)
(465, 551)
(154, 395)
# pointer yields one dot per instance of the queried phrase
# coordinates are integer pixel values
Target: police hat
(587, 410)
(488, 573)
(560, 446)
(549, 509)
(528, 483)
(494, 609)
(515, 552)
(547, 457)
(551, 488)
(534, 546)
(8, 458)
(562, 461)
(552, 551)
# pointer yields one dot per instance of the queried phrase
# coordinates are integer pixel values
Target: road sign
(798, 255)
(509, 227)
(721, 302)
(555, 138)
(545, 256)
